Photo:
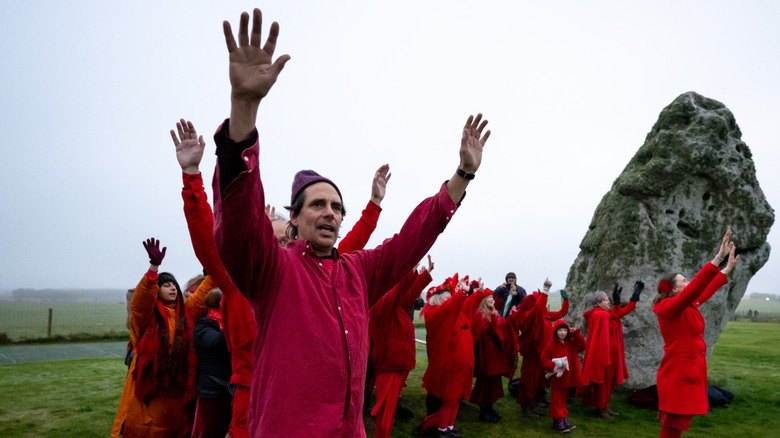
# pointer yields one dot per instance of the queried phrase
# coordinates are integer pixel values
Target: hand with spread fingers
(152, 247)
(189, 147)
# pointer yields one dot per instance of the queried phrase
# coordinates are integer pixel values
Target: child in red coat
(562, 364)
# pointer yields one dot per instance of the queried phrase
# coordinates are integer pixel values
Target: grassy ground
(79, 398)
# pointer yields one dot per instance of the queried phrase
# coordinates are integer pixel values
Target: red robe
(450, 346)
(533, 320)
(494, 346)
(392, 331)
(682, 376)
(569, 347)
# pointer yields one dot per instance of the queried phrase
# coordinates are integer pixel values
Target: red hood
(558, 324)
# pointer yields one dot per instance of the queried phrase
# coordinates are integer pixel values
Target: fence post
(48, 331)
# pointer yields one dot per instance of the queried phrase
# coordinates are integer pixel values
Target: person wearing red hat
(393, 354)
(561, 361)
(161, 380)
(450, 351)
(682, 375)
(495, 355)
(310, 302)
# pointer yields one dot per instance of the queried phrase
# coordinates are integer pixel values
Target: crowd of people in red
(286, 318)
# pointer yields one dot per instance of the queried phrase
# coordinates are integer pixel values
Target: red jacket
(358, 236)
(682, 376)
(237, 318)
(550, 318)
(569, 347)
(391, 328)
(495, 346)
(311, 312)
(450, 346)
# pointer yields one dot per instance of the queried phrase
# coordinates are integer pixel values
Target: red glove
(152, 247)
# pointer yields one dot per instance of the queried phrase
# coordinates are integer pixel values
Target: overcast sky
(571, 88)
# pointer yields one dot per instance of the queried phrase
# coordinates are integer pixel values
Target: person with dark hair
(561, 361)
(682, 375)
(604, 363)
(393, 353)
(495, 355)
(239, 326)
(310, 302)
(450, 369)
(508, 295)
(161, 380)
(213, 410)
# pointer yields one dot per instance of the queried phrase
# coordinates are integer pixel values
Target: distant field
(29, 320)
(771, 306)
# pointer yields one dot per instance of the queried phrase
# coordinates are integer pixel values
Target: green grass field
(79, 398)
(29, 320)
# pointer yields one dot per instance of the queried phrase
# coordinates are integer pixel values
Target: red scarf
(158, 367)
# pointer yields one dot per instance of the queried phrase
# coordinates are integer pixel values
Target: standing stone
(691, 180)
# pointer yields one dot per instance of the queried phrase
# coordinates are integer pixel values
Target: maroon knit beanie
(305, 178)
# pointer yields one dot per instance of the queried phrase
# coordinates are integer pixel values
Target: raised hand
(430, 264)
(547, 286)
(189, 147)
(251, 72)
(616, 295)
(723, 251)
(379, 185)
(733, 259)
(270, 212)
(564, 294)
(152, 247)
(472, 142)
(638, 288)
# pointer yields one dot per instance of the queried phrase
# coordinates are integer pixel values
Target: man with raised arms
(309, 301)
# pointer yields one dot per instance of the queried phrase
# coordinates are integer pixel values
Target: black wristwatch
(465, 175)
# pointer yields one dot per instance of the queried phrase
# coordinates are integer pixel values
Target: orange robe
(166, 415)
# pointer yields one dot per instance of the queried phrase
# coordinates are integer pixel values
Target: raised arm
(719, 279)
(471, 144)
(385, 264)
(673, 306)
(252, 71)
(358, 236)
(145, 295)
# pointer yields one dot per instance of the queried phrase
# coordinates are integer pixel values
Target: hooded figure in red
(561, 362)
(495, 355)
(534, 322)
(682, 376)
(450, 350)
(393, 354)
(604, 364)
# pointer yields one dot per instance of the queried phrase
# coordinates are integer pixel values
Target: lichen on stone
(691, 180)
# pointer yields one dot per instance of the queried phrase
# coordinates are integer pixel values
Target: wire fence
(23, 320)
(756, 316)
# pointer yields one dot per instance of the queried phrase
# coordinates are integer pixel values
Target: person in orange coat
(604, 364)
(561, 361)
(495, 355)
(682, 375)
(161, 380)
(393, 354)
(450, 351)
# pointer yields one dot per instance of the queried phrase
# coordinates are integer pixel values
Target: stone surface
(691, 180)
